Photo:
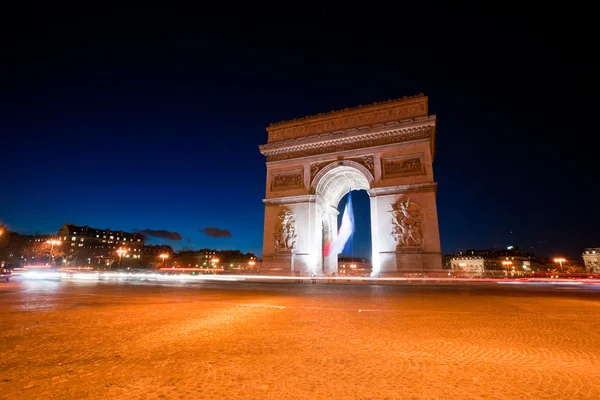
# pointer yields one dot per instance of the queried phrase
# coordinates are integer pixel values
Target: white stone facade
(469, 264)
(591, 259)
(385, 149)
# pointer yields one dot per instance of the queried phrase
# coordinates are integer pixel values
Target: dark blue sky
(142, 118)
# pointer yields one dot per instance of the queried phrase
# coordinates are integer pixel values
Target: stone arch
(331, 184)
(335, 179)
(384, 148)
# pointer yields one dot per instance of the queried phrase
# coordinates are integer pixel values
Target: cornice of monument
(360, 109)
(376, 127)
(412, 188)
(381, 134)
(307, 198)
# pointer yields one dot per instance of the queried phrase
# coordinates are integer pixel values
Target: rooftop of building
(514, 251)
(75, 229)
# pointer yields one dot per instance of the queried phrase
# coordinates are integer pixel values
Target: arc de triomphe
(384, 148)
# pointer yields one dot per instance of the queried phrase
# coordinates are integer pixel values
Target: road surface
(74, 339)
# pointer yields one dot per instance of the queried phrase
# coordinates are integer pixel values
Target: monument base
(278, 264)
(408, 263)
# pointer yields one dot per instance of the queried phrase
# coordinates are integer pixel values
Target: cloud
(161, 233)
(216, 232)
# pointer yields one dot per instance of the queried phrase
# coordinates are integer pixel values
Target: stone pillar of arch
(386, 149)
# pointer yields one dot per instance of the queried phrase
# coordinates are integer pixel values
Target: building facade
(94, 245)
(469, 264)
(157, 249)
(18, 250)
(508, 262)
(350, 266)
(208, 258)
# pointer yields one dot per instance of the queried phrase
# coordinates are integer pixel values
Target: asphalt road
(68, 339)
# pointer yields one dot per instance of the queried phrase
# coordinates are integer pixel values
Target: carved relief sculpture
(285, 230)
(406, 223)
(368, 162)
(403, 166)
(365, 161)
(288, 180)
(359, 142)
(316, 167)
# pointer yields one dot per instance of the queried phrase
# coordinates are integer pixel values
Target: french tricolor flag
(346, 229)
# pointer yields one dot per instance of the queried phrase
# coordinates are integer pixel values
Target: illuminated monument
(384, 148)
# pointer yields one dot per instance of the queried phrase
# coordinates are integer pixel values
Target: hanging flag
(346, 229)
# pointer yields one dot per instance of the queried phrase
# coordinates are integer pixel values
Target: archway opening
(333, 186)
(355, 259)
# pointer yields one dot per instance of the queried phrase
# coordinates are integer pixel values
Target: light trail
(160, 277)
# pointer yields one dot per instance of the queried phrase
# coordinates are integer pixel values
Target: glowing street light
(560, 260)
(507, 265)
(120, 252)
(52, 242)
(164, 257)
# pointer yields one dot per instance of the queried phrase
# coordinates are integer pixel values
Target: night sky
(139, 118)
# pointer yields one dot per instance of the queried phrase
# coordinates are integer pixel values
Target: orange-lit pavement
(70, 339)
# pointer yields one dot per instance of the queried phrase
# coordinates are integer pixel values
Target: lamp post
(560, 260)
(52, 242)
(507, 265)
(120, 252)
(164, 257)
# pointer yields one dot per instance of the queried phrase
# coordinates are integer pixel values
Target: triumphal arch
(384, 148)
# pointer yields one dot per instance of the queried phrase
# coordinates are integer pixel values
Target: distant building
(510, 261)
(469, 264)
(96, 244)
(37, 238)
(207, 258)
(157, 249)
(354, 266)
(20, 250)
(591, 259)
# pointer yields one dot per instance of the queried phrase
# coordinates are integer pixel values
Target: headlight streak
(183, 278)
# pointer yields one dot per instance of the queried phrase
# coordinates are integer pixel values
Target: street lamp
(164, 257)
(52, 242)
(560, 260)
(120, 252)
(507, 265)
